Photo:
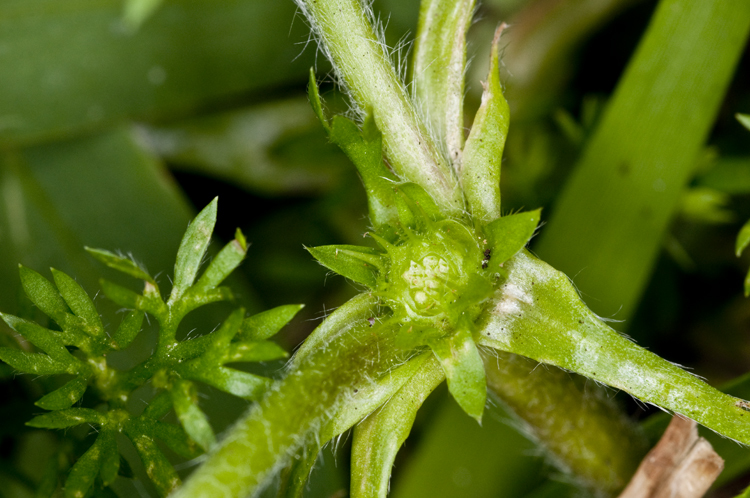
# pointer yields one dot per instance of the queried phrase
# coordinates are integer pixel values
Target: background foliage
(111, 135)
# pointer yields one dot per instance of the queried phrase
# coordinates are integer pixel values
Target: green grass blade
(609, 221)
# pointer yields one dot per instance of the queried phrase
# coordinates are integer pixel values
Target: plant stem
(368, 73)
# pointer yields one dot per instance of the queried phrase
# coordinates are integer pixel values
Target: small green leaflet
(744, 119)
(267, 323)
(192, 249)
(71, 417)
(743, 240)
(119, 263)
(360, 264)
(510, 234)
(65, 396)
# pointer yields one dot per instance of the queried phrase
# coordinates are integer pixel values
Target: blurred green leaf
(128, 329)
(705, 205)
(730, 175)
(65, 396)
(137, 11)
(157, 466)
(253, 351)
(43, 294)
(35, 363)
(71, 417)
(110, 465)
(744, 119)
(193, 420)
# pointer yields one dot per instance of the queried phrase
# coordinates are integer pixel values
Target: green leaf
(175, 438)
(45, 339)
(357, 263)
(43, 294)
(84, 471)
(420, 202)
(33, 363)
(78, 301)
(744, 119)
(743, 239)
(157, 466)
(510, 234)
(110, 459)
(267, 323)
(120, 295)
(192, 418)
(65, 396)
(71, 417)
(128, 329)
(313, 96)
(483, 154)
(747, 285)
(192, 249)
(378, 437)
(158, 406)
(223, 264)
(464, 371)
(137, 11)
(439, 66)
(122, 264)
(241, 384)
(253, 351)
(219, 340)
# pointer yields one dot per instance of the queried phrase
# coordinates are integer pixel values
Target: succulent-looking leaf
(253, 351)
(192, 249)
(747, 285)
(78, 301)
(84, 471)
(538, 314)
(510, 234)
(439, 68)
(744, 119)
(193, 420)
(65, 396)
(357, 263)
(128, 329)
(157, 466)
(223, 264)
(743, 239)
(267, 323)
(124, 265)
(483, 153)
(44, 339)
(110, 465)
(464, 371)
(43, 294)
(33, 363)
(378, 438)
(71, 417)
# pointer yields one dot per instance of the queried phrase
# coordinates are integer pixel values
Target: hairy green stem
(368, 73)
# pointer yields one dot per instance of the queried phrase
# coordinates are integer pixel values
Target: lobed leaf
(84, 471)
(483, 153)
(43, 294)
(192, 418)
(121, 264)
(509, 234)
(79, 301)
(192, 249)
(64, 397)
(70, 417)
(267, 323)
(33, 363)
(464, 371)
(223, 264)
(357, 263)
(129, 329)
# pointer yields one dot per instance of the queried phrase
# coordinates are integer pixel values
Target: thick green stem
(264, 441)
(368, 73)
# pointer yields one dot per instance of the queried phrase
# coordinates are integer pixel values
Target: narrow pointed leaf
(294, 478)
(71, 417)
(267, 323)
(464, 371)
(510, 234)
(220, 339)
(378, 438)
(483, 154)
(157, 466)
(120, 295)
(110, 459)
(253, 351)
(540, 302)
(43, 294)
(357, 263)
(128, 329)
(158, 406)
(119, 263)
(78, 301)
(84, 472)
(747, 285)
(439, 67)
(33, 363)
(176, 439)
(241, 384)
(223, 264)
(45, 339)
(192, 249)
(193, 420)
(743, 239)
(744, 119)
(64, 397)
(314, 96)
